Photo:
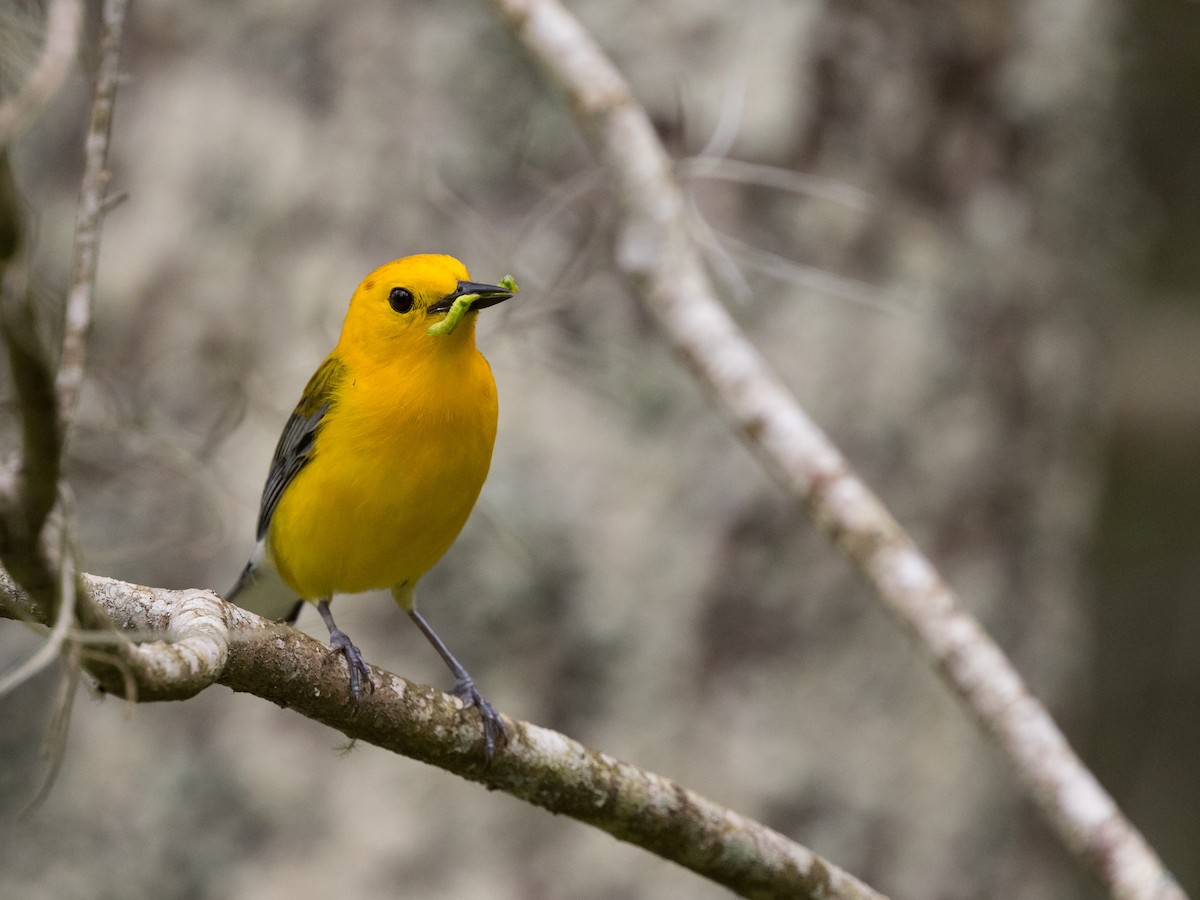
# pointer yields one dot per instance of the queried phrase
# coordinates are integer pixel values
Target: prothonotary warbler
(383, 458)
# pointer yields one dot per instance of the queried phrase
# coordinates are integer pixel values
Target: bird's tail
(260, 590)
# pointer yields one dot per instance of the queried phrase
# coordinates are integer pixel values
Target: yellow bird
(382, 460)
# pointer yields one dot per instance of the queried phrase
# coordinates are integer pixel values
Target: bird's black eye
(400, 299)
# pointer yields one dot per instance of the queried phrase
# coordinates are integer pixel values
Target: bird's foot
(339, 642)
(493, 726)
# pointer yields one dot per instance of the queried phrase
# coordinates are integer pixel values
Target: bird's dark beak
(489, 295)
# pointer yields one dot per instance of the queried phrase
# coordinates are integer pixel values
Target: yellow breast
(398, 464)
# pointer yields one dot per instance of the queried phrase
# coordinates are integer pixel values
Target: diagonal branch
(663, 269)
(196, 639)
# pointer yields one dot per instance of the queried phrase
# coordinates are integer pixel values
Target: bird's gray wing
(258, 588)
(297, 443)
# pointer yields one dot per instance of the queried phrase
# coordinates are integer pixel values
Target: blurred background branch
(46, 384)
(31, 484)
(94, 202)
(63, 21)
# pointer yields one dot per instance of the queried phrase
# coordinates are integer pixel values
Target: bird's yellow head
(397, 304)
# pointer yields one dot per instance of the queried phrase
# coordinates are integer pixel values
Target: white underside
(261, 590)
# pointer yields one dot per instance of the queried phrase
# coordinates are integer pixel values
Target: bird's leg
(464, 688)
(340, 643)
(290, 618)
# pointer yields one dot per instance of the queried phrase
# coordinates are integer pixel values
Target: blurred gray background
(967, 242)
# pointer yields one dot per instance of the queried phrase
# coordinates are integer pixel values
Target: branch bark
(195, 639)
(663, 269)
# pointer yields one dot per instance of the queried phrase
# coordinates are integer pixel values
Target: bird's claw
(493, 726)
(339, 642)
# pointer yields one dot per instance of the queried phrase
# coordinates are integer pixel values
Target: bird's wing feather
(259, 588)
(296, 444)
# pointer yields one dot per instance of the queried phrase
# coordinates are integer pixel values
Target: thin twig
(720, 261)
(809, 278)
(203, 641)
(63, 20)
(55, 744)
(663, 268)
(737, 82)
(92, 203)
(60, 633)
(802, 184)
